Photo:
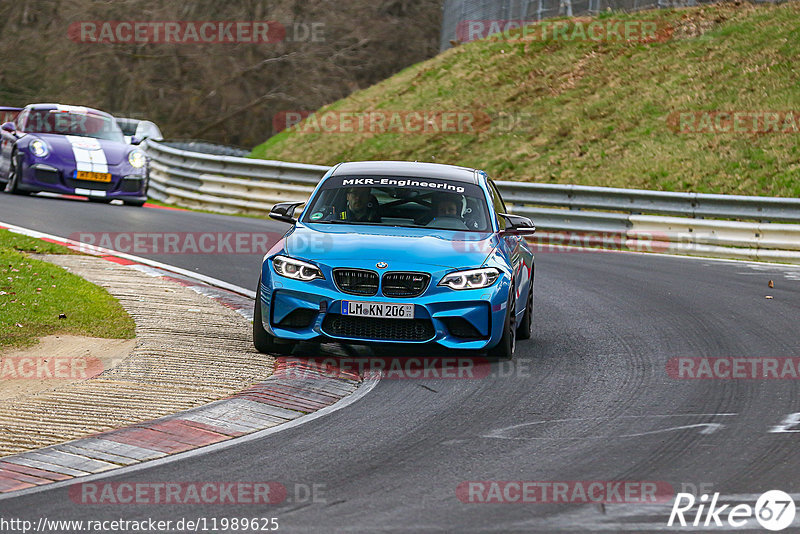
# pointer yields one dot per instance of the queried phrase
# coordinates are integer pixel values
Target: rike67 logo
(774, 510)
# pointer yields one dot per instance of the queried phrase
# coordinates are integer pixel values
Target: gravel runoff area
(190, 350)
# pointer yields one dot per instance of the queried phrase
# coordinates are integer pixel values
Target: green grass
(33, 294)
(23, 243)
(596, 113)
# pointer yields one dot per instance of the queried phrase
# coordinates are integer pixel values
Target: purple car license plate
(93, 176)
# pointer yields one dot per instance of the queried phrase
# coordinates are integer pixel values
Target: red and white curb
(297, 392)
(264, 406)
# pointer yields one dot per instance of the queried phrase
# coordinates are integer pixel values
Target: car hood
(115, 152)
(443, 248)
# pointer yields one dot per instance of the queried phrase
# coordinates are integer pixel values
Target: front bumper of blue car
(470, 319)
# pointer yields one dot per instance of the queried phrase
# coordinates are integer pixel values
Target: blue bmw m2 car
(398, 252)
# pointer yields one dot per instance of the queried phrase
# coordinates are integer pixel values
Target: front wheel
(263, 341)
(136, 203)
(12, 185)
(505, 349)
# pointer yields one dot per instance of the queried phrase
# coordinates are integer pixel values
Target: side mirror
(9, 127)
(284, 212)
(516, 224)
(136, 141)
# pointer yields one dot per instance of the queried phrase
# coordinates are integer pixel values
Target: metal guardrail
(204, 147)
(751, 229)
(636, 201)
(226, 183)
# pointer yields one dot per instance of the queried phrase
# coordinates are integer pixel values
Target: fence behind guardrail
(458, 14)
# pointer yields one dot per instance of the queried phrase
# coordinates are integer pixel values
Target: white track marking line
(92, 249)
(707, 428)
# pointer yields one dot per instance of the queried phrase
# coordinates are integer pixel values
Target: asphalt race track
(589, 398)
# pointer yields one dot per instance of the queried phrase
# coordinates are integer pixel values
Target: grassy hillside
(599, 113)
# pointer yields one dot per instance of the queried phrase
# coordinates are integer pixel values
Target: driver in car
(361, 206)
(446, 206)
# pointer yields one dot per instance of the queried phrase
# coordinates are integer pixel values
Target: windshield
(81, 124)
(398, 201)
(8, 115)
(128, 126)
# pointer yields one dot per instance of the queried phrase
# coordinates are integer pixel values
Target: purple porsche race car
(71, 150)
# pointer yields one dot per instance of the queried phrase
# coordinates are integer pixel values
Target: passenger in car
(447, 206)
(446, 212)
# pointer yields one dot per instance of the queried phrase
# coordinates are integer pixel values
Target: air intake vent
(460, 327)
(48, 176)
(373, 328)
(300, 318)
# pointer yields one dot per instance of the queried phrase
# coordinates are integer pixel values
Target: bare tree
(227, 92)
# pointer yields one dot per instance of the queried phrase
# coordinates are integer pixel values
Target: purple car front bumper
(59, 177)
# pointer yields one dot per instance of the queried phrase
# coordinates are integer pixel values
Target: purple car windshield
(54, 121)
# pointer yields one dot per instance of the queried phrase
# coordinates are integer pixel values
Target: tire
(525, 328)
(135, 203)
(99, 200)
(264, 342)
(12, 185)
(504, 350)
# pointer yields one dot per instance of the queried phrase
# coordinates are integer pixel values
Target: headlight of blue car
(471, 279)
(39, 148)
(296, 269)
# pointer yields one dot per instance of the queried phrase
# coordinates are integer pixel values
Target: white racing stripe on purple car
(89, 192)
(89, 154)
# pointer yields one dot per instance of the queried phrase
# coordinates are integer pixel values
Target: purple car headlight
(137, 159)
(39, 148)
